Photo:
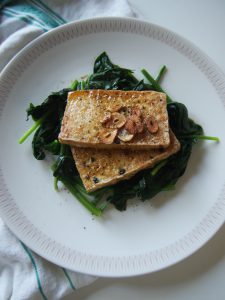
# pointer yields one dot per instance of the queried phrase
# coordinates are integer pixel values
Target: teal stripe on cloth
(35, 269)
(48, 10)
(69, 279)
(26, 18)
(33, 12)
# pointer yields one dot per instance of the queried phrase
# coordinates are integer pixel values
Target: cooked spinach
(47, 117)
(108, 76)
(64, 170)
(144, 185)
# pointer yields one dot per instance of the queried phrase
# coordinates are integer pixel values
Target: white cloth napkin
(15, 33)
(23, 274)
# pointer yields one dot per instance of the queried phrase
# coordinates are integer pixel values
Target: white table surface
(201, 276)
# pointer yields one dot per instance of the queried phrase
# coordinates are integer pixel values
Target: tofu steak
(102, 167)
(108, 119)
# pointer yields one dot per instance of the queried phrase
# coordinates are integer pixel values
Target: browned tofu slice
(115, 120)
(101, 167)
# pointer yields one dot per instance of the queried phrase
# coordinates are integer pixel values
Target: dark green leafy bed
(146, 184)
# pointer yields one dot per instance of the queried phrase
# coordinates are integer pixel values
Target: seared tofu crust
(85, 120)
(101, 167)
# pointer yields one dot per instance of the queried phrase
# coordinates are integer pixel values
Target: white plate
(148, 236)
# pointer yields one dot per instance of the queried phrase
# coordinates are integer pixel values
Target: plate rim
(55, 252)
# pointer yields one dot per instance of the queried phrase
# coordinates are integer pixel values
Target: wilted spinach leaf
(108, 76)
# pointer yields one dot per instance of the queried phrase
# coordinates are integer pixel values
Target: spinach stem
(98, 196)
(87, 204)
(156, 169)
(155, 84)
(82, 85)
(161, 74)
(30, 131)
(74, 85)
(35, 126)
(62, 149)
(204, 137)
(56, 183)
(96, 200)
(80, 188)
(104, 205)
(169, 187)
(99, 193)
